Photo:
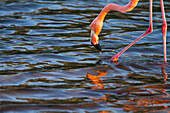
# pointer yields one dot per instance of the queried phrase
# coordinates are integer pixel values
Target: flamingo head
(95, 41)
(96, 27)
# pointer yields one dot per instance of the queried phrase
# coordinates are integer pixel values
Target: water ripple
(47, 62)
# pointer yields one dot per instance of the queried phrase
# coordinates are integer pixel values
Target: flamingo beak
(97, 46)
(94, 41)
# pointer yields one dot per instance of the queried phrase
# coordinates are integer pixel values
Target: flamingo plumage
(97, 24)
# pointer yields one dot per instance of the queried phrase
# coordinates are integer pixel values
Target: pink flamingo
(97, 24)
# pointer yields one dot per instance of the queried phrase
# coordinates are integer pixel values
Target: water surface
(47, 62)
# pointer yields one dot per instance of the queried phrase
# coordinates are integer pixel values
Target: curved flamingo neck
(130, 6)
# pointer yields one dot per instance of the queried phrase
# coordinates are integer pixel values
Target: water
(47, 63)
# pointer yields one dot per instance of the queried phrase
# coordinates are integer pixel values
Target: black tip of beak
(97, 46)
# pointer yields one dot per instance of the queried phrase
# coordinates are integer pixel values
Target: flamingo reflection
(96, 79)
(138, 103)
(164, 74)
(137, 97)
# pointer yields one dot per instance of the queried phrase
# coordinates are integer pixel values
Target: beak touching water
(95, 41)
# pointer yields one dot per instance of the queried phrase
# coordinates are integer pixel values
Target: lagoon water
(47, 63)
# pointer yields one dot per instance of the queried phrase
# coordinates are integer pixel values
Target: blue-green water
(47, 63)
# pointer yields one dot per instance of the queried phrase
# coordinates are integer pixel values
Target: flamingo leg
(148, 31)
(164, 29)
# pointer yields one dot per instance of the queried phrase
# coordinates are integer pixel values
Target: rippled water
(47, 62)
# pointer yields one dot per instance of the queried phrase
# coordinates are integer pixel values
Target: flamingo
(97, 24)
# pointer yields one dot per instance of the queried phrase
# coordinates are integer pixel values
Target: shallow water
(47, 63)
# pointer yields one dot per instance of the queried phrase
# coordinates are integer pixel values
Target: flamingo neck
(128, 7)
